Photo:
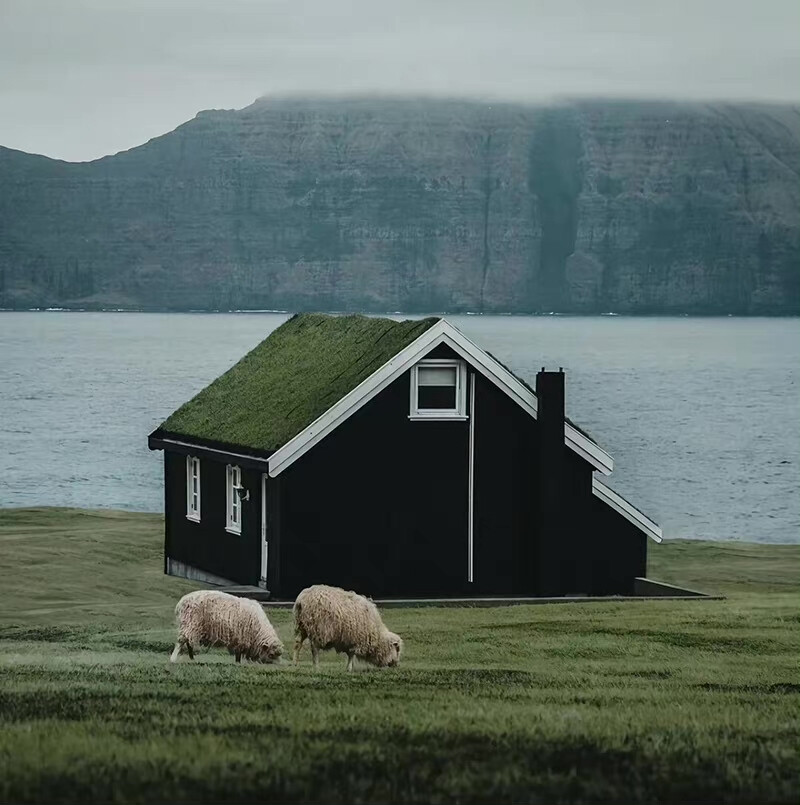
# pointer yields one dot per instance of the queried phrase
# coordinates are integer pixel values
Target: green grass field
(683, 701)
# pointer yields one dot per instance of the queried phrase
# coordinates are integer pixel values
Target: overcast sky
(84, 78)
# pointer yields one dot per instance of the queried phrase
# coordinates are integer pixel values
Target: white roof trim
(227, 453)
(629, 512)
(522, 395)
(441, 333)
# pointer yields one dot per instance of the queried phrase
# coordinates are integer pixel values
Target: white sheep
(330, 617)
(211, 618)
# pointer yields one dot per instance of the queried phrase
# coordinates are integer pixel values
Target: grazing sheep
(210, 618)
(330, 617)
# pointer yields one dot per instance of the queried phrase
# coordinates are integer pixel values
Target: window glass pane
(436, 397)
(436, 376)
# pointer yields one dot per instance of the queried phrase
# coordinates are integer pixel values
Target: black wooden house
(396, 459)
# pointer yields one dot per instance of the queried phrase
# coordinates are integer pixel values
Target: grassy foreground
(622, 702)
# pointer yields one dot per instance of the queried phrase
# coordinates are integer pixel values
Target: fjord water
(700, 414)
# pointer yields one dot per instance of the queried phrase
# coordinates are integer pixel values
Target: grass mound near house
(643, 701)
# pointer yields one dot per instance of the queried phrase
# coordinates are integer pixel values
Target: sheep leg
(298, 645)
(315, 654)
(175, 653)
(238, 655)
(189, 650)
(350, 656)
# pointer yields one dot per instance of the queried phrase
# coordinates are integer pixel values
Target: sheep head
(396, 648)
(270, 652)
(388, 651)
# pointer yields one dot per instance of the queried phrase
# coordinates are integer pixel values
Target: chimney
(552, 499)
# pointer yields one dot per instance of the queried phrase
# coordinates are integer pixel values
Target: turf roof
(292, 377)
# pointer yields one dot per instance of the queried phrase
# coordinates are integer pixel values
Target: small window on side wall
(193, 488)
(234, 515)
(438, 390)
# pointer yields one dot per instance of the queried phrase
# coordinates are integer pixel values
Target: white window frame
(458, 413)
(233, 509)
(192, 473)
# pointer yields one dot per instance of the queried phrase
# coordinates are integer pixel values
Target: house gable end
(441, 333)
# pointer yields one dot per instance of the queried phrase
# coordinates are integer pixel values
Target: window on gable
(234, 517)
(438, 390)
(193, 488)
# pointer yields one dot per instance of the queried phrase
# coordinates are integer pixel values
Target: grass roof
(292, 377)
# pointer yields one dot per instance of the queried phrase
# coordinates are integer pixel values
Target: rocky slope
(420, 205)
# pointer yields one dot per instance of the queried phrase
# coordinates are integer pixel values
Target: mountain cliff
(420, 205)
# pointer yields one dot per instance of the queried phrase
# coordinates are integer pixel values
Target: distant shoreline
(571, 314)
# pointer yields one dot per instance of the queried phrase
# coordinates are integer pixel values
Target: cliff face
(420, 206)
